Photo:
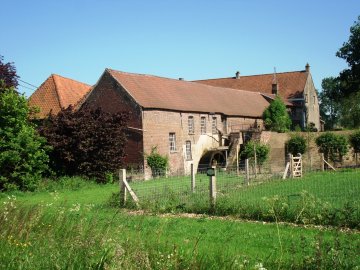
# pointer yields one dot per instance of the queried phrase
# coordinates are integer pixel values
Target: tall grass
(41, 237)
(83, 236)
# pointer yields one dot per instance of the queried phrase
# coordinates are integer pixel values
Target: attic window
(191, 125)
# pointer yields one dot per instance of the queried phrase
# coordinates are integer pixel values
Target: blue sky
(193, 39)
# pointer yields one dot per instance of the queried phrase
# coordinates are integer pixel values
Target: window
(188, 150)
(172, 142)
(214, 126)
(203, 125)
(191, 125)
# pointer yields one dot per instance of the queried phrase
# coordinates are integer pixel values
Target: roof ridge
(184, 81)
(263, 74)
(57, 75)
(142, 74)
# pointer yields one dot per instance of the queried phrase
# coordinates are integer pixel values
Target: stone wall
(312, 103)
(311, 159)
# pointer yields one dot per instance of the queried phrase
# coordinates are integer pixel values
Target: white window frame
(188, 150)
(203, 125)
(214, 125)
(172, 142)
(191, 125)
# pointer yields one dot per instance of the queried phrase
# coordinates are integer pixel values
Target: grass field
(69, 225)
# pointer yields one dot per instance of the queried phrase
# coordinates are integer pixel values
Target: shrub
(355, 141)
(23, 157)
(296, 145)
(86, 142)
(276, 117)
(262, 151)
(311, 127)
(333, 146)
(157, 162)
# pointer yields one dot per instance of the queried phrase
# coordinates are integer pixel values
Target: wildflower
(259, 266)
(76, 207)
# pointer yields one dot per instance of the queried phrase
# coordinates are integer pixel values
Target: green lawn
(75, 228)
(82, 237)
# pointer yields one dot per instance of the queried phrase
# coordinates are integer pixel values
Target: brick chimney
(307, 68)
(237, 75)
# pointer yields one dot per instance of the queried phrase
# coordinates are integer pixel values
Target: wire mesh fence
(254, 191)
(233, 180)
(229, 180)
(330, 198)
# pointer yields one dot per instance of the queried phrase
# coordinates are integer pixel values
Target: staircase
(235, 140)
(234, 146)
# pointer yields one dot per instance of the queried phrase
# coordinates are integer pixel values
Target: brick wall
(243, 123)
(158, 124)
(108, 95)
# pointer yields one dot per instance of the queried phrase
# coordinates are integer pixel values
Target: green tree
(354, 140)
(330, 105)
(333, 146)
(350, 52)
(23, 157)
(350, 111)
(296, 145)
(276, 117)
(341, 95)
(262, 151)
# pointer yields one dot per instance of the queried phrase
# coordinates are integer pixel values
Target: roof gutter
(296, 99)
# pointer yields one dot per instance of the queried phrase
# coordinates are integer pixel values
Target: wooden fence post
(237, 159)
(255, 160)
(322, 162)
(192, 178)
(247, 172)
(291, 165)
(213, 188)
(123, 191)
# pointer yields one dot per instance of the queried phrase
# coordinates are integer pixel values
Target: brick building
(190, 122)
(296, 87)
(186, 121)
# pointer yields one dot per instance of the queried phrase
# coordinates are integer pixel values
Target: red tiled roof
(154, 92)
(290, 84)
(57, 92)
(271, 97)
